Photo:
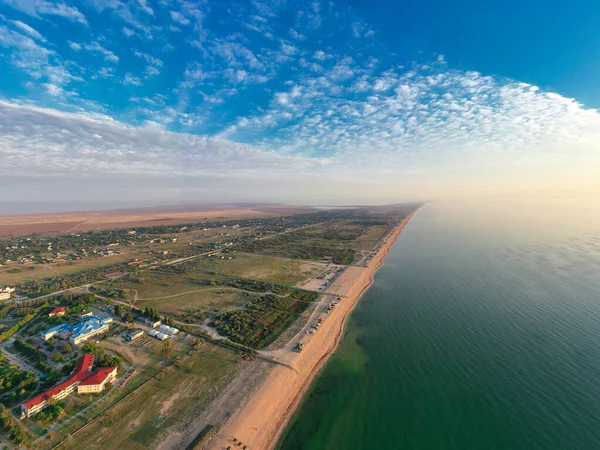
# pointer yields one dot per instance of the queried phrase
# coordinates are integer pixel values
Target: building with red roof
(60, 311)
(92, 381)
(97, 380)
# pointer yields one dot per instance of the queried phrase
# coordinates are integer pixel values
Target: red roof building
(84, 363)
(60, 311)
(92, 382)
(97, 380)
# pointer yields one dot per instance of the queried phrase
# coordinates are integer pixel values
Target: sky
(140, 102)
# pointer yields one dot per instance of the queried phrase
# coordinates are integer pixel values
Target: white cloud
(43, 7)
(149, 59)
(53, 89)
(30, 31)
(144, 7)
(128, 32)
(151, 71)
(95, 47)
(132, 80)
(179, 18)
(321, 55)
(38, 141)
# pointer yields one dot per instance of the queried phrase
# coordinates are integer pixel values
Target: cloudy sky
(154, 102)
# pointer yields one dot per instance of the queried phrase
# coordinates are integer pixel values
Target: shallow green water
(481, 331)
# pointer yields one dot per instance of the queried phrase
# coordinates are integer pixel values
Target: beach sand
(259, 423)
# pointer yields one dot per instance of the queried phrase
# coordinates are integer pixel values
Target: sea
(481, 331)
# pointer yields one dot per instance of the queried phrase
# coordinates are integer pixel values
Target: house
(134, 335)
(5, 292)
(60, 311)
(82, 376)
(152, 323)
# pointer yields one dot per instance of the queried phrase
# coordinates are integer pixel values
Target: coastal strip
(260, 422)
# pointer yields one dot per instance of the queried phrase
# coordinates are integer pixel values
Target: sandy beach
(259, 423)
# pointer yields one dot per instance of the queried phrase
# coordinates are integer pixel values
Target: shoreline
(260, 423)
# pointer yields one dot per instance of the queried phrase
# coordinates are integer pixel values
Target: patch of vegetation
(8, 424)
(263, 319)
(33, 354)
(15, 384)
(101, 357)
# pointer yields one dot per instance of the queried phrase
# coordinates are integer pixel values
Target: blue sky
(303, 101)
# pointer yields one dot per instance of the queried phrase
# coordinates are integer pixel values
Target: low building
(168, 330)
(80, 332)
(60, 331)
(60, 311)
(86, 329)
(161, 336)
(5, 293)
(97, 380)
(152, 323)
(134, 335)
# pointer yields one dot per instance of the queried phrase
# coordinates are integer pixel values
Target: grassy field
(190, 292)
(140, 420)
(262, 267)
(175, 293)
(370, 239)
(41, 271)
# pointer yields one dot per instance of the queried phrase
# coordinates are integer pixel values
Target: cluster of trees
(259, 286)
(297, 245)
(34, 288)
(4, 311)
(22, 383)
(51, 412)
(8, 424)
(263, 319)
(101, 358)
(33, 354)
(12, 330)
(151, 313)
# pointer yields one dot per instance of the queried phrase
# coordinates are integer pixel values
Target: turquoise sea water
(481, 331)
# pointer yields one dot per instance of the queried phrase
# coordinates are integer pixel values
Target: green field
(261, 267)
(192, 292)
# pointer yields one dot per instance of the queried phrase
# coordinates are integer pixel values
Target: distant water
(481, 331)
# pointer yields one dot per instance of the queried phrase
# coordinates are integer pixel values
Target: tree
(167, 349)
(118, 310)
(57, 357)
(66, 348)
(128, 317)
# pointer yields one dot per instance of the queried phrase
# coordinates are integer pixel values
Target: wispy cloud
(79, 144)
(42, 7)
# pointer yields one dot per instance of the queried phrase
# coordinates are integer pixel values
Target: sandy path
(259, 422)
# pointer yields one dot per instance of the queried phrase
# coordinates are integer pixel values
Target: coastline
(261, 421)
